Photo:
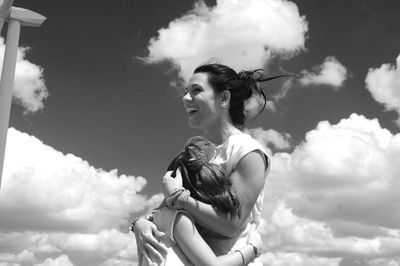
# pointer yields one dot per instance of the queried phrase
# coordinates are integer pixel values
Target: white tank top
(228, 155)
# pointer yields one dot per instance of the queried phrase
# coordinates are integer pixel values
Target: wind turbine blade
(26, 17)
(5, 9)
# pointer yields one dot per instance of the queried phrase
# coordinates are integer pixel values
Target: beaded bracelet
(149, 218)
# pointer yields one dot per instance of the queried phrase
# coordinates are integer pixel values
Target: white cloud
(283, 90)
(242, 34)
(118, 262)
(331, 72)
(29, 86)
(24, 256)
(60, 191)
(62, 260)
(334, 196)
(297, 259)
(383, 83)
(106, 244)
(53, 204)
(271, 139)
(385, 262)
(331, 198)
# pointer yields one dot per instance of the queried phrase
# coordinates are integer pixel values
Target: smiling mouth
(191, 110)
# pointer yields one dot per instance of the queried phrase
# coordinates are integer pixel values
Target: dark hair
(205, 181)
(240, 86)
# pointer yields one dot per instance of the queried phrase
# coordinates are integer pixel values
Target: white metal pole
(17, 17)
(7, 84)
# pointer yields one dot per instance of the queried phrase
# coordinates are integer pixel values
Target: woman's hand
(147, 242)
(254, 239)
(170, 184)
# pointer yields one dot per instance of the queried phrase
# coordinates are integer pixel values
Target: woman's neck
(219, 133)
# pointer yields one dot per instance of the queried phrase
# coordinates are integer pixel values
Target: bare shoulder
(253, 162)
(183, 225)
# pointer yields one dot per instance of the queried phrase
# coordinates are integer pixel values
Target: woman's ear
(225, 98)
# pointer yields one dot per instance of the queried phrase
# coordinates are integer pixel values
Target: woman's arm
(197, 250)
(248, 181)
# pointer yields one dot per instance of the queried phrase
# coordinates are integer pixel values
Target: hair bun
(258, 100)
(254, 105)
(251, 75)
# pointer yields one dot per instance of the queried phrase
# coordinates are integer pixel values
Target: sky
(96, 117)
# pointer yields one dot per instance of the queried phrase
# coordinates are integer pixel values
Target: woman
(215, 101)
(204, 181)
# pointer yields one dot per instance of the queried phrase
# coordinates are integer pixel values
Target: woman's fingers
(147, 258)
(161, 248)
(145, 254)
(149, 248)
(141, 250)
(170, 184)
(151, 240)
(140, 255)
(144, 231)
(158, 234)
(178, 176)
(154, 255)
(168, 174)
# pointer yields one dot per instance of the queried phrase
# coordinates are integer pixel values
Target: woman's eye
(196, 90)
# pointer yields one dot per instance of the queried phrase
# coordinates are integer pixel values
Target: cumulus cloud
(331, 201)
(297, 259)
(385, 262)
(24, 256)
(65, 191)
(383, 83)
(62, 260)
(53, 204)
(271, 139)
(117, 262)
(335, 195)
(97, 247)
(242, 34)
(29, 86)
(331, 72)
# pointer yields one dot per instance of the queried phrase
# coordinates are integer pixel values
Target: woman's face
(201, 102)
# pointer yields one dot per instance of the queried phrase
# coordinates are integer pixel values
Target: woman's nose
(187, 97)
